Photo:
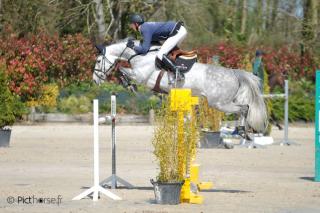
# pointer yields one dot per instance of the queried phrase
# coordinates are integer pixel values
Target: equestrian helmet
(136, 18)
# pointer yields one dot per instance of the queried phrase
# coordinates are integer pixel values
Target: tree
(29, 16)
(100, 19)
(244, 17)
(1, 15)
(310, 20)
(258, 17)
(274, 14)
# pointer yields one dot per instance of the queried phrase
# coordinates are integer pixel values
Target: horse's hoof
(240, 130)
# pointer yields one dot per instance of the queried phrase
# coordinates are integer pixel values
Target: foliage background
(50, 44)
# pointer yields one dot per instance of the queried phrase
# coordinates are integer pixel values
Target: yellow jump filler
(183, 104)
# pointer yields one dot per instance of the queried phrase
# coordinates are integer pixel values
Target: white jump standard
(286, 140)
(96, 187)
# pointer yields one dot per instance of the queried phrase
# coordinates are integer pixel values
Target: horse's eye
(98, 61)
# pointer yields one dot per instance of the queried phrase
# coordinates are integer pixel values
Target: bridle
(104, 60)
(113, 65)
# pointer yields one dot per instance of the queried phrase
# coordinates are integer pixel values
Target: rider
(172, 33)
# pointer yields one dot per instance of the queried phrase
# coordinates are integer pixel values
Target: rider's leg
(168, 45)
(171, 42)
(159, 63)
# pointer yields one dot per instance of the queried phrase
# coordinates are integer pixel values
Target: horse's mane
(154, 46)
(125, 40)
(122, 40)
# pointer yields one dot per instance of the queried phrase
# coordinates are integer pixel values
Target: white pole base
(95, 190)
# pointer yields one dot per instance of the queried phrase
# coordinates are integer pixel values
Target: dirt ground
(56, 161)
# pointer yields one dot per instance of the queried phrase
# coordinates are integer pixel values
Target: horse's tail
(249, 93)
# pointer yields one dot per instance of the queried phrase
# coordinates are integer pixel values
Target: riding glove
(130, 44)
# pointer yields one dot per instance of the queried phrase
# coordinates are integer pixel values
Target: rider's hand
(130, 44)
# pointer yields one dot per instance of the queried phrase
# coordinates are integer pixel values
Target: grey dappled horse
(228, 90)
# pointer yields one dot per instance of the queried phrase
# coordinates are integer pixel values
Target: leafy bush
(281, 60)
(165, 147)
(47, 100)
(40, 58)
(127, 102)
(75, 105)
(10, 105)
(301, 102)
(210, 118)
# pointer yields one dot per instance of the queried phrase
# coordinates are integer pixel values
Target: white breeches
(171, 42)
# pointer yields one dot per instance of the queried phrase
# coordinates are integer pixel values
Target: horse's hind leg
(228, 108)
(234, 108)
(239, 109)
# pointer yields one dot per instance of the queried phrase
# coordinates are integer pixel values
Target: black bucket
(210, 139)
(167, 193)
(5, 137)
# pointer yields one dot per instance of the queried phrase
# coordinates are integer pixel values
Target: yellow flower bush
(171, 157)
(210, 118)
(48, 97)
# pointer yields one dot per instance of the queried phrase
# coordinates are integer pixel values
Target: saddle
(183, 58)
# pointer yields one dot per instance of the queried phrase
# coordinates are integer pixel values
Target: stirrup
(169, 64)
(179, 76)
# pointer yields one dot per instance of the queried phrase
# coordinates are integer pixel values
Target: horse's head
(107, 59)
(104, 64)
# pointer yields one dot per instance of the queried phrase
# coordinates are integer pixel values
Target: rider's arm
(147, 38)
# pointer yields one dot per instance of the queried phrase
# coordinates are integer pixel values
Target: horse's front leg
(126, 76)
(128, 72)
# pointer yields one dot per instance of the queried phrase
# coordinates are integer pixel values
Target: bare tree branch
(110, 6)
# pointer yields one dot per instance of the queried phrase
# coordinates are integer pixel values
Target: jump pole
(317, 129)
(113, 179)
(96, 187)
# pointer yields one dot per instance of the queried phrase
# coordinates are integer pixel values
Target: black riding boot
(159, 63)
(172, 67)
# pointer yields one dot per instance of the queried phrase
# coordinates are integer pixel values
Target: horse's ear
(101, 49)
(107, 42)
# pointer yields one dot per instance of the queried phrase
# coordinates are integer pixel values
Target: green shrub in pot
(10, 108)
